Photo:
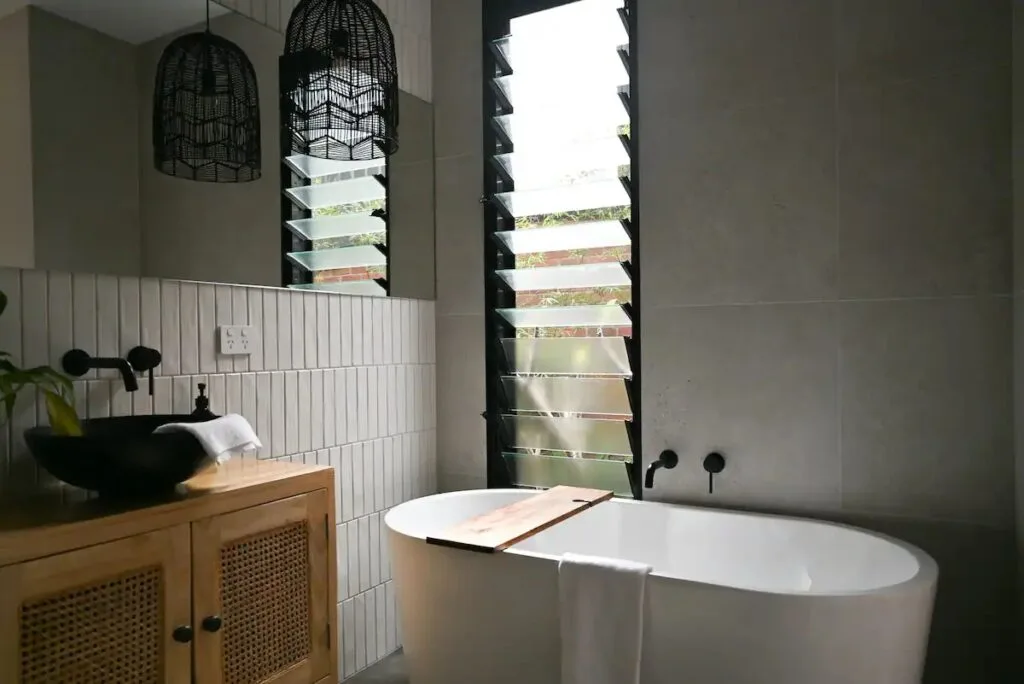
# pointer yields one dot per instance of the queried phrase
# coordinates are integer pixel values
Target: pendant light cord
(207, 16)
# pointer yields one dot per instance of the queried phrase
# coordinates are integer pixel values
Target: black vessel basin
(120, 456)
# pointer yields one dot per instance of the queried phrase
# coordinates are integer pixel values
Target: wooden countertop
(38, 528)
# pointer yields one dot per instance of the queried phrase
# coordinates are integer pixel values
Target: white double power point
(237, 340)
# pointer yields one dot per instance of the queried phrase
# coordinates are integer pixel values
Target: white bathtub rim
(926, 576)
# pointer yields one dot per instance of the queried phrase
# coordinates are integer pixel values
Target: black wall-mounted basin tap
(668, 460)
(77, 363)
(144, 360)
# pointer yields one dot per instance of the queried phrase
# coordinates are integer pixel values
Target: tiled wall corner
(457, 30)
(409, 20)
(343, 381)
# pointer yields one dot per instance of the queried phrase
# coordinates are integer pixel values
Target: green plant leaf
(45, 374)
(57, 389)
(19, 378)
(8, 395)
(62, 380)
(63, 418)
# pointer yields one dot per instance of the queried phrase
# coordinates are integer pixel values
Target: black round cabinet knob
(182, 634)
(212, 623)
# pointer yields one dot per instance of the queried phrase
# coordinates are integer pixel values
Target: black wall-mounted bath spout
(667, 460)
(77, 363)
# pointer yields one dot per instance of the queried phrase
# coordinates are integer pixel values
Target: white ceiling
(134, 21)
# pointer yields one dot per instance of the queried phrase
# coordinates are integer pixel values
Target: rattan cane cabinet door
(263, 573)
(99, 615)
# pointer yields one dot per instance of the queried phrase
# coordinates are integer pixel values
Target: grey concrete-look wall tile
(460, 236)
(1017, 147)
(757, 383)
(416, 132)
(1018, 370)
(927, 408)
(740, 206)
(708, 54)
(972, 627)
(457, 27)
(924, 187)
(461, 388)
(900, 39)
(412, 230)
(458, 482)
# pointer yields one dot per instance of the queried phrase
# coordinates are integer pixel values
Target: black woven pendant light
(339, 81)
(206, 111)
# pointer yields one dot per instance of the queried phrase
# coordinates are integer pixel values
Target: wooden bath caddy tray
(501, 528)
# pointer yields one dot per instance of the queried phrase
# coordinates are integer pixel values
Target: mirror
(76, 99)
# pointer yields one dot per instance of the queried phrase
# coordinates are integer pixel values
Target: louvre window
(335, 225)
(562, 254)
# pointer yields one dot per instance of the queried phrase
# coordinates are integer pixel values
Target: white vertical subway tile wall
(410, 22)
(334, 380)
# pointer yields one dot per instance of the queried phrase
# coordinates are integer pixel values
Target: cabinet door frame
(210, 534)
(168, 548)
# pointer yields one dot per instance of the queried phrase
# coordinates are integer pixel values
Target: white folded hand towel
(221, 438)
(602, 619)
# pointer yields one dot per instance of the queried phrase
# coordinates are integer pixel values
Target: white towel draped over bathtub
(602, 619)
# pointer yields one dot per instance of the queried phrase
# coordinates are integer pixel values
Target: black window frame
(497, 18)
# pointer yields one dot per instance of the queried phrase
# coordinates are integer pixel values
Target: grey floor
(391, 670)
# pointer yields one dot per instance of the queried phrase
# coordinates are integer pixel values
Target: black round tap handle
(76, 363)
(213, 623)
(714, 463)
(668, 459)
(182, 634)
(144, 359)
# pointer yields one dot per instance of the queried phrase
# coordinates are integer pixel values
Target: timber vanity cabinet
(230, 581)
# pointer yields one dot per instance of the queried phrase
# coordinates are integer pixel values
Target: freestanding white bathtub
(734, 598)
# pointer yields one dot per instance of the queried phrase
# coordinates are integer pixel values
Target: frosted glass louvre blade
(559, 128)
(540, 166)
(600, 195)
(593, 235)
(565, 277)
(323, 195)
(343, 257)
(567, 317)
(548, 471)
(581, 435)
(361, 288)
(504, 48)
(567, 356)
(326, 227)
(531, 97)
(594, 396)
(314, 167)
